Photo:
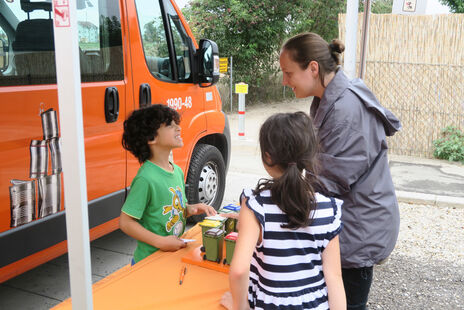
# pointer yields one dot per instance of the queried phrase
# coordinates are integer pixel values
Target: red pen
(182, 274)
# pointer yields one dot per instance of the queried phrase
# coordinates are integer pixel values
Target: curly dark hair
(142, 126)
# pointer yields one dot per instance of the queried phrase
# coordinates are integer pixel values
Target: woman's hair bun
(337, 46)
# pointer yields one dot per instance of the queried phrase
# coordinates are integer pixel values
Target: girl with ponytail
(287, 253)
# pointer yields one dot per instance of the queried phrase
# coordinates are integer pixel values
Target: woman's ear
(314, 67)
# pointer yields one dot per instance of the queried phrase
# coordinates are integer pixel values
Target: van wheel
(206, 178)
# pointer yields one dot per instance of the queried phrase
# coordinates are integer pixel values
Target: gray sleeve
(343, 159)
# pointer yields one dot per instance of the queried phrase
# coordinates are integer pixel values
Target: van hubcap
(208, 186)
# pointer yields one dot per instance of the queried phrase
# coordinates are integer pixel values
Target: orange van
(132, 53)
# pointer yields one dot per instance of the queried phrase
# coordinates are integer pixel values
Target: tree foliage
(253, 31)
(456, 6)
(378, 6)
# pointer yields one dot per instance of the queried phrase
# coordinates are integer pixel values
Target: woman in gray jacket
(352, 127)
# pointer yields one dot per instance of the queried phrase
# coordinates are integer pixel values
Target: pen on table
(182, 274)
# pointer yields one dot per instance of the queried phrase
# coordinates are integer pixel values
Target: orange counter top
(153, 283)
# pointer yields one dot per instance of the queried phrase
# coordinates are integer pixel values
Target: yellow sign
(241, 88)
(223, 64)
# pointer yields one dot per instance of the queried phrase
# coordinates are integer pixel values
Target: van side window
(154, 40)
(3, 50)
(31, 48)
(181, 45)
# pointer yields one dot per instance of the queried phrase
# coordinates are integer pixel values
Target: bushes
(451, 145)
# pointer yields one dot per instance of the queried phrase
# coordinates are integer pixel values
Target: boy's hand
(171, 243)
(200, 208)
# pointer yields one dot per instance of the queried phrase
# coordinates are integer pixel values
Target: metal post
(351, 27)
(73, 158)
(231, 83)
(364, 38)
(241, 116)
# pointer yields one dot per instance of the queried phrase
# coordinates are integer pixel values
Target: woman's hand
(200, 208)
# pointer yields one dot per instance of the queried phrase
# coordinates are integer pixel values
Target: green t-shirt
(157, 200)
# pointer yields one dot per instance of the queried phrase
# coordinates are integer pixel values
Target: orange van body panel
(109, 169)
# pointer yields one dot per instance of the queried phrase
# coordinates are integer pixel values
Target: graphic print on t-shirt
(176, 208)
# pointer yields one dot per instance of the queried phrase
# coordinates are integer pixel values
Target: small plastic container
(232, 207)
(213, 241)
(230, 239)
(208, 224)
(218, 218)
(230, 224)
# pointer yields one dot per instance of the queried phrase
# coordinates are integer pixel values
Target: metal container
(55, 152)
(49, 124)
(49, 195)
(213, 243)
(22, 202)
(230, 239)
(39, 159)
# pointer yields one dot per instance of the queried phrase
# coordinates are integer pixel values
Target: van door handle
(111, 104)
(144, 95)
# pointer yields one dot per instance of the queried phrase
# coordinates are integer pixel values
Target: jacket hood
(339, 84)
(391, 123)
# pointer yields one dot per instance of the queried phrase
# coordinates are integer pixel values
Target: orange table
(153, 283)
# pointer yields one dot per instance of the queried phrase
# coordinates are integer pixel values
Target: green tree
(252, 32)
(378, 6)
(456, 6)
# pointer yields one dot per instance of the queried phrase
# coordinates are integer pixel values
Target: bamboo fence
(415, 67)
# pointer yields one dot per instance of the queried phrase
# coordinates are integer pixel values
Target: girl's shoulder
(328, 205)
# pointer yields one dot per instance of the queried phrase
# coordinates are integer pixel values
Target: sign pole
(231, 83)
(75, 188)
(241, 89)
(364, 38)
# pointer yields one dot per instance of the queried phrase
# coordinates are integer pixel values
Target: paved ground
(426, 270)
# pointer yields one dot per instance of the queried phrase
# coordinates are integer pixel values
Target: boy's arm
(333, 275)
(200, 208)
(132, 227)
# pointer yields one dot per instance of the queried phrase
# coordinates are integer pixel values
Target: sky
(181, 3)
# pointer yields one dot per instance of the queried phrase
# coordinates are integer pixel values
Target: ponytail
(290, 142)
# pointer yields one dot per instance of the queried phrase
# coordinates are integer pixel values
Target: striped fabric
(286, 268)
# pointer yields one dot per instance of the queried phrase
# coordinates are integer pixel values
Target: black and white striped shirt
(286, 267)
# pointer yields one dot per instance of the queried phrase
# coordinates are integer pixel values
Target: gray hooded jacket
(352, 127)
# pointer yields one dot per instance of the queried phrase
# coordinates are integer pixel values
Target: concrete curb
(430, 199)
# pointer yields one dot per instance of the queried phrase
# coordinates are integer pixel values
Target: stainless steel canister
(49, 124)
(49, 194)
(55, 151)
(39, 159)
(22, 202)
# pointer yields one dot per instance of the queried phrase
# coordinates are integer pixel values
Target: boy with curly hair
(156, 208)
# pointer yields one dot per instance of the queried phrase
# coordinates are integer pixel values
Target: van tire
(206, 178)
